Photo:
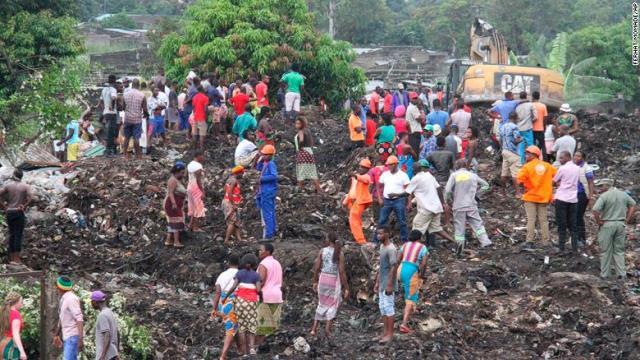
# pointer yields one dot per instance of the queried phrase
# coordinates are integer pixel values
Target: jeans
(398, 206)
(15, 222)
(414, 142)
(583, 201)
(566, 216)
(527, 140)
(111, 124)
(70, 348)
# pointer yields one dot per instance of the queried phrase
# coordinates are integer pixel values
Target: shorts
(292, 102)
(132, 130)
(199, 128)
(386, 303)
(427, 221)
(510, 164)
(157, 125)
(73, 150)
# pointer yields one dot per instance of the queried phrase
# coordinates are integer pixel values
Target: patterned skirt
(247, 315)
(306, 165)
(229, 317)
(8, 349)
(384, 150)
(175, 217)
(268, 318)
(329, 291)
(230, 213)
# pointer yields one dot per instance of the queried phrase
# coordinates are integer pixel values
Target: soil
(504, 302)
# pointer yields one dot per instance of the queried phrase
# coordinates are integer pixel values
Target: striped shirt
(413, 252)
(133, 111)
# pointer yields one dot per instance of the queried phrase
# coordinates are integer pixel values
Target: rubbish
(430, 325)
(480, 286)
(301, 345)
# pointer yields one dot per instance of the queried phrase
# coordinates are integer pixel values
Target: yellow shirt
(354, 122)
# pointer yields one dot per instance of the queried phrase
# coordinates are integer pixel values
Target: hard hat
(365, 163)
(391, 160)
(268, 150)
(239, 169)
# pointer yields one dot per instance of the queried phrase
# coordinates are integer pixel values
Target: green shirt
(294, 80)
(613, 205)
(242, 123)
(387, 134)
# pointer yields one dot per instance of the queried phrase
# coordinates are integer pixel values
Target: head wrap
(64, 283)
(179, 165)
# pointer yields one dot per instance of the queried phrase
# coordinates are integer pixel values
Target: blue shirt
(438, 117)
(508, 135)
(505, 108)
(406, 164)
(430, 146)
(215, 98)
(268, 177)
(75, 126)
(363, 117)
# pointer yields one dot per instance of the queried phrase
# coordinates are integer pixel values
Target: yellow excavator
(487, 75)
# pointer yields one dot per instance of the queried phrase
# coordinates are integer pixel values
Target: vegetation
(120, 21)
(238, 39)
(30, 292)
(87, 9)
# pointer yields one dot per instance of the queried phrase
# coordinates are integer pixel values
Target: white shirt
(394, 183)
(108, 97)
(244, 148)
(225, 280)
(154, 102)
(462, 120)
(563, 143)
(425, 189)
(412, 116)
(548, 133)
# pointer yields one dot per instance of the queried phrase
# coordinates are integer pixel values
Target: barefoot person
(329, 278)
(231, 202)
(10, 327)
(174, 204)
(225, 309)
(386, 284)
(195, 191)
(412, 258)
(15, 197)
(305, 161)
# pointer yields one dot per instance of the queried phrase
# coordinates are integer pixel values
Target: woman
(585, 192)
(247, 281)
(231, 202)
(195, 191)
(10, 326)
(568, 119)
(225, 309)
(305, 161)
(399, 122)
(328, 283)
(412, 258)
(174, 204)
(471, 150)
(385, 137)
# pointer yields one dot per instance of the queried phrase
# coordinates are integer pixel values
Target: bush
(119, 21)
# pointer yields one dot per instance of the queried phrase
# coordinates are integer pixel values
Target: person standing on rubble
(510, 139)
(461, 189)
(612, 210)
(536, 176)
(106, 331)
(415, 120)
(267, 191)
(69, 332)
(305, 160)
(72, 136)
(174, 204)
(135, 108)
(411, 266)
(270, 308)
(231, 204)
(295, 85)
(393, 197)
(386, 284)
(568, 119)
(195, 192)
(225, 309)
(108, 105)
(539, 122)
(356, 132)
(16, 197)
(566, 200)
(526, 115)
(585, 192)
(358, 200)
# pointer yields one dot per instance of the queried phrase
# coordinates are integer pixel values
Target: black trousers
(15, 221)
(414, 141)
(566, 217)
(111, 125)
(583, 201)
(538, 140)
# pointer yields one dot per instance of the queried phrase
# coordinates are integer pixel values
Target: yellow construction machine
(487, 75)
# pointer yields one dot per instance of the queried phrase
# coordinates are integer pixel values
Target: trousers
(472, 217)
(538, 140)
(355, 222)
(267, 205)
(397, 206)
(612, 238)
(583, 201)
(566, 217)
(527, 140)
(111, 124)
(536, 211)
(15, 222)
(414, 142)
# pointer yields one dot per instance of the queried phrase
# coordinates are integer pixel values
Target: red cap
(413, 95)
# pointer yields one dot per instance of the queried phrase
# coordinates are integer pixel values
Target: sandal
(178, 246)
(405, 329)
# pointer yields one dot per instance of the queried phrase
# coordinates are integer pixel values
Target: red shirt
(371, 131)
(386, 108)
(373, 103)
(261, 94)
(200, 102)
(467, 108)
(401, 125)
(238, 102)
(13, 315)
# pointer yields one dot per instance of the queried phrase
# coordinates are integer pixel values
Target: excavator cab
(457, 69)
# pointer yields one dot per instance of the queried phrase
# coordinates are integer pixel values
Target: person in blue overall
(267, 191)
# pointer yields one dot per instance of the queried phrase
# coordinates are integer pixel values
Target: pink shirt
(70, 313)
(374, 174)
(272, 286)
(567, 179)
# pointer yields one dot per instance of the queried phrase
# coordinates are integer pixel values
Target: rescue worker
(359, 199)
(267, 191)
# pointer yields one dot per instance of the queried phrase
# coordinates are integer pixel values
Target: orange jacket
(537, 178)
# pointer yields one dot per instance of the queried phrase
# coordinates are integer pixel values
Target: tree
(237, 39)
(120, 21)
(362, 22)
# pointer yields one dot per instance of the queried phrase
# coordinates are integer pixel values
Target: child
(247, 281)
(265, 130)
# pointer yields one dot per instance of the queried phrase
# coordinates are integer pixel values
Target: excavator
(487, 75)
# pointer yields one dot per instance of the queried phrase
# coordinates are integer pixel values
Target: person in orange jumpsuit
(359, 199)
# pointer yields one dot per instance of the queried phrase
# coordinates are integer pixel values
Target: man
(428, 194)
(106, 332)
(415, 120)
(215, 103)
(172, 113)
(453, 142)
(395, 183)
(246, 151)
(460, 118)
(267, 191)
(430, 140)
(526, 113)
(611, 211)
(356, 132)
(422, 96)
(200, 103)
(270, 308)
(386, 284)
(109, 112)
(505, 107)
(135, 108)
(159, 80)
(374, 101)
(437, 116)
(364, 109)
(462, 187)
(358, 200)
(387, 102)
(538, 123)
(509, 140)
(157, 104)
(566, 200)
(295, 85)
(536, 176)
(16, 197)
(69, 332)
(244, 122)
(565, 142)
(187, 108)
(441, 160)
(262, 91)
(240, 101)
(400, 97)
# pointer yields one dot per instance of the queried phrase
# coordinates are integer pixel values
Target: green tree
(120, 21)
(240, 38)
(362, 22)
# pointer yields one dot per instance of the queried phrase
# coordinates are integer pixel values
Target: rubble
(505, 302)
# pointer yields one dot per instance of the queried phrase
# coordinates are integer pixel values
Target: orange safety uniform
(537, 178)
(358, 200)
